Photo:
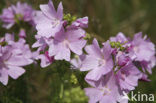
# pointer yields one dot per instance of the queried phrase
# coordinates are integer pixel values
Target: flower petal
(15, 71)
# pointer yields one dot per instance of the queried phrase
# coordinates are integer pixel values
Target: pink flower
(142, 48)
(119, 38)
(13, 57)
(81, 22)
(41, 43)
(60, 40)
(51, 20)
(15, 13)
(107, 91)
(98, 61)
(65, 42)
(128, 77)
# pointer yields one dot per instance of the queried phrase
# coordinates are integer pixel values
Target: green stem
(61, 91)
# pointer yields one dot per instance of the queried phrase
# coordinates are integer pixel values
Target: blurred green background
(57, 83)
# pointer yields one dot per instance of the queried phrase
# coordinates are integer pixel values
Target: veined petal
(77, 46)
(60, 11)
(94, 49)
(106, 50)
(63, 53)
(95, 74)
(94, 94)
(73, 35)
(89, 63)
(18, 61)
(48, 10)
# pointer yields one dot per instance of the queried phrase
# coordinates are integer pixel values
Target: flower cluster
(58, 35)
(13, 56)
(114, 67)
(117, 67)
(16, 13)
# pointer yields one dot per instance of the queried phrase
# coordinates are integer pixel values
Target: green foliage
(74, 95)
(6, 99)
(65, 82)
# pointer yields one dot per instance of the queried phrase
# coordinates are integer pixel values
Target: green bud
(112, 44)
(117, 45)
(74, 18)
(122, 48)
(87, 37)
(69, 18)
(73, 79)
(76, 56)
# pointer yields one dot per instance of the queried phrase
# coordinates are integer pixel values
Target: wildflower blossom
(128, 77)
(16, 13)
(107, 90)
(14, 55)
(60, 40)
(98, 61)
(143, 49)
(65, 42)
(127, 60)
(51, 21)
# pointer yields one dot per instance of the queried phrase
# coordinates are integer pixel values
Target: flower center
(55, 22)
(136, 49)
(106, 91)
(18, 17)
(102, 62)
(66, 43)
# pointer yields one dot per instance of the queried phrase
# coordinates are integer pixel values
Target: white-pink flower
(65, 42)
(14, 55)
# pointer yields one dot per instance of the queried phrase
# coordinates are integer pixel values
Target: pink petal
(73, 35)
(4, 76)
(77, 46)
(18, 61)
(48, 10)
(95, 74)
(107, 99)
(89, 63)
(107, 50)
(63, 53)
(15, 71)
(94, 94)
(60, 11)
(94, 49)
